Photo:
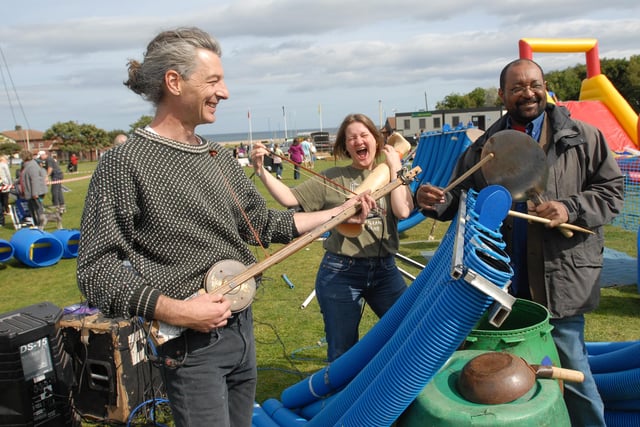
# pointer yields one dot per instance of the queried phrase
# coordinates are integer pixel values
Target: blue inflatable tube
(430, 290)
(456, 312)
(6, 250)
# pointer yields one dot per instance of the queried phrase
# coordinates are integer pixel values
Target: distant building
(410, 124)
(29, 139)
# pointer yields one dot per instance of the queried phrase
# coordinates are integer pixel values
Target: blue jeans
(214, 383)
(582, 399)
(343, 284)
(278, 167)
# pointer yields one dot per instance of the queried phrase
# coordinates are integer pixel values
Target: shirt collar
(533, 128)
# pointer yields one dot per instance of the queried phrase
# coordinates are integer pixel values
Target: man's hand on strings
(207, 311)
(203, 312)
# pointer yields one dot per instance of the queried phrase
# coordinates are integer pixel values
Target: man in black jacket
(584, 187)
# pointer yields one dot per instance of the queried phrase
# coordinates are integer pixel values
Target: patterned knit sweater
(159, 214)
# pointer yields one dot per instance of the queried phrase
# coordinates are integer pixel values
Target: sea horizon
(258, 136)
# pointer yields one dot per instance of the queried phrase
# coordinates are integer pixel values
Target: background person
(55, 177)
(73, 163)
(277, 160)
(130, 262)
(6, 184)
(354, 269)
(585, 187)
(306, 150)
(296, 154)
(33, 187)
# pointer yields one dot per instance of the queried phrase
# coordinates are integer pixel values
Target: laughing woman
(357, 269)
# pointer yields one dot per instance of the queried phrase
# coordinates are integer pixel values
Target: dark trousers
(215, 382)
(57, 198)
(4, 202)
(36, 209)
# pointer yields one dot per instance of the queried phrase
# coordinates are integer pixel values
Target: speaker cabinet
(113, 372)
(36, 374)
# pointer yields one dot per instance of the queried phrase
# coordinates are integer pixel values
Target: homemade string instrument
(236, 281)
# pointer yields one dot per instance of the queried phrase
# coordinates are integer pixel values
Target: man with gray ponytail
(146, 249)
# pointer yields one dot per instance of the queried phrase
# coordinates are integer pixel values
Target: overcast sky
(67, 60)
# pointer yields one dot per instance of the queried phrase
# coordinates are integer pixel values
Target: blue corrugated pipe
(621, 419)
(595, 348)
(346, 367)
(455, 307)
(281, 415)
(450, 294)
(619, 360)
(435, 338)
(260, 417)
(619, 385)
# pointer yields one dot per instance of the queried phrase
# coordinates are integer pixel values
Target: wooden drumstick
(537, 199)
(468, 173)
(539, 219)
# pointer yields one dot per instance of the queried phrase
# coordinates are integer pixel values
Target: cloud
(69, 62)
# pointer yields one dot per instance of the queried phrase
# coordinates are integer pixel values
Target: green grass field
(290, 339)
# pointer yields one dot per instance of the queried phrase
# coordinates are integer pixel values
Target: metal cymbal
(518, 164)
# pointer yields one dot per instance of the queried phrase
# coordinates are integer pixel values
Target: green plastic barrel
(526, 332)
(441, 405)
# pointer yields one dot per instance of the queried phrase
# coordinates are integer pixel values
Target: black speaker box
(36, 374)
(113, 372)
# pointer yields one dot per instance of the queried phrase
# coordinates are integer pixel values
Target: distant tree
(477, 97)
(142, 122)
(633, 71)
(625, 76)
(9, 148)
(452, 102)
(491, 98)
(74, 137)
(566, 84)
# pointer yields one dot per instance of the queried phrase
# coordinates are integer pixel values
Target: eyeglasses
(519, 90)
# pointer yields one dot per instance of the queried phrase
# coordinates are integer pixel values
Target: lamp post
(380, 112)
(285, 123)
